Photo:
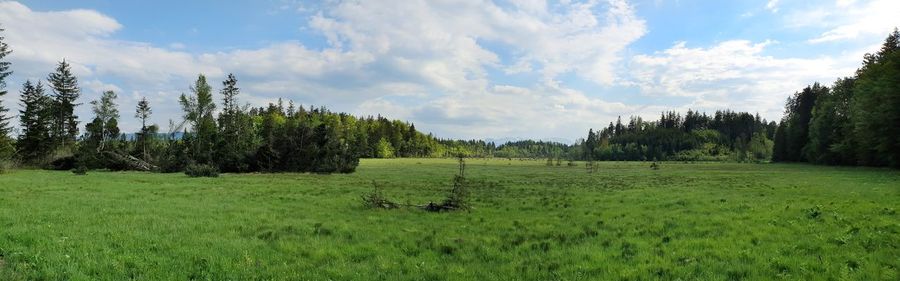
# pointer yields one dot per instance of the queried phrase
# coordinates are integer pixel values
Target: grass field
(705, 221)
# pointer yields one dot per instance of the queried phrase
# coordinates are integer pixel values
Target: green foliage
(760, 147)
(854, 123)
(458, 198)
(4, 119)
(145, 138)
(798, 113)
(7, 164)
(80, 170)
(876, 106)
(34, 145)
(693, 137)
(201, 170)
(377, 200)
(237, 139)
(384, 149)
(198, 111)
(64, 122)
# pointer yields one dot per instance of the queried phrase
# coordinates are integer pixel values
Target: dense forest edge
(856, 121)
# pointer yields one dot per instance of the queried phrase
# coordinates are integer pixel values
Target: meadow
(529, 221)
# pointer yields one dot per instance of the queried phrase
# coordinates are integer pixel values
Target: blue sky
(461, 69)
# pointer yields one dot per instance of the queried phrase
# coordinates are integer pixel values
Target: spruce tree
(5, 145)
(64, 127)
(143, 112)
(33, 144)
(235, 129)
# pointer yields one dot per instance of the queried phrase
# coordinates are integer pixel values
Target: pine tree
(143, 112)
(64, 127)
(236, 130)
(33, 145)
(6, 148)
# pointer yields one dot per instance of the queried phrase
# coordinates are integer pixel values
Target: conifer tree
(235, 129)
(143, 112)
(6, 148)
(64, 127)
(33, 144)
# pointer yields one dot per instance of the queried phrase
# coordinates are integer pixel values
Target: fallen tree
(130, 162)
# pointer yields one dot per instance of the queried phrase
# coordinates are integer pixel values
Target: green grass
(704, 221)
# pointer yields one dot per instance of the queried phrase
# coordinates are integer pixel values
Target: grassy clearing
(711, 221)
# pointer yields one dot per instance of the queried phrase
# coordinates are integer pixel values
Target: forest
(853, 122)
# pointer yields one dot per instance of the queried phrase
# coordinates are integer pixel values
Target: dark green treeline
(854, 122)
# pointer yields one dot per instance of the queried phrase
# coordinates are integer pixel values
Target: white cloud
(733, 74)
(576, 39)
(772, 6)
(399, 60)
(849, 20)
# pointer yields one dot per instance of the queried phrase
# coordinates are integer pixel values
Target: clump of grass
(201, 170)
(814, 212)
(377, 200)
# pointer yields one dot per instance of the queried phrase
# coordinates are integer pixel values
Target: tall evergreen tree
(33, 145)
(6, 148)
(64, 127)
(876, 105)
(798, 113)
(143, 112)
(236, 141)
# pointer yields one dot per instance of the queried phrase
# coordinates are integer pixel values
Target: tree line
(856, 121)
(725, 135)
(853, 122)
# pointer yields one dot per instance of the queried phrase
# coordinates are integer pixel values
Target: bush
(377, 200)
(458, 199)
(6, 165)
(201, 170)
(80, 170)
(63, 163)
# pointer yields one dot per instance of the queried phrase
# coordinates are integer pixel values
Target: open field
(625, 222)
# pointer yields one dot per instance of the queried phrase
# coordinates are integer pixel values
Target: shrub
(63, 163)
(201, 170)
(376, 199)
(80, 170)
(6, 165)
(458, 199)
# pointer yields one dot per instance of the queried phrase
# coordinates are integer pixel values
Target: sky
(470, 69)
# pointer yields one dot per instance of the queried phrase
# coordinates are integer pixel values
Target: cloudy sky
(457, 68)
